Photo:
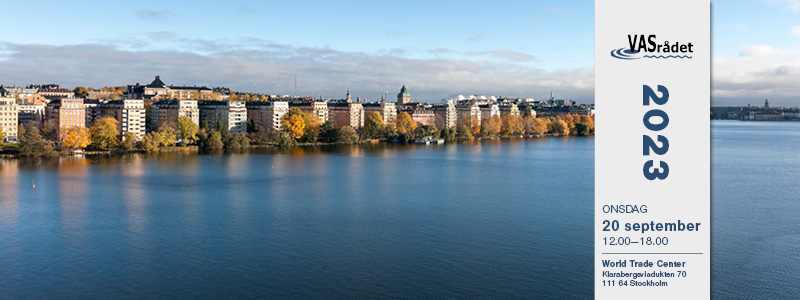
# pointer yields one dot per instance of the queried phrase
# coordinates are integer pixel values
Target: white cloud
(793, 5)
(760, 72)
(760, 50)
(742, 27)
(795, 31)
(241, 63)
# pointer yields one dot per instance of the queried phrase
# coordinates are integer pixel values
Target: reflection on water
(467, 220)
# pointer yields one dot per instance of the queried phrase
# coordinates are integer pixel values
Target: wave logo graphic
(628, 54)
(625, 53)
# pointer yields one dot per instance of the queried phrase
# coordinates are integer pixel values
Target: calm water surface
(509, 219)
(498, 219)
(755, 212)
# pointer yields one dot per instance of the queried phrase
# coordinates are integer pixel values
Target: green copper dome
(403, 92)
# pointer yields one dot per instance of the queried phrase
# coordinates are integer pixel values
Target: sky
(435, 48)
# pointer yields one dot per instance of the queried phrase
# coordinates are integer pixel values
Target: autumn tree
(75, 137)
(313, 128)
(589, 121)
(233, 97)
(404, 123)
(262, 98)
(465, 131)
(293, 122)
(104, 133)
(373, 125)
(2, 136)
(150, 142)
(128, 141)
(167, 135)
(560, 127)
(540, 126)
(187, 130)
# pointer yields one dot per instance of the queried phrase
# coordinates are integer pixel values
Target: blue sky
(507, 48)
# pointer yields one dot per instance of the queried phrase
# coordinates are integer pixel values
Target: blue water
(498, 219)
(755, 212)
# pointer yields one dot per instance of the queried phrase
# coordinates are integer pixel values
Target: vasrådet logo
(640, 45)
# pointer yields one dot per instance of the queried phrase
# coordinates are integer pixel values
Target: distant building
(267, 114)
(159, 90)
(14, 92)
(66, 112)
(489, 110)
(403, 97)
(445, 115)
(468, 114)
(93, 111)
(509, 109)
(317, 108)
(388, 110)
(32, 109)
(232, 114)
(8, 119)
(169, 111)
(420, 113)
(101, 95)
(53, 91)
(130, 115)
(342, 114)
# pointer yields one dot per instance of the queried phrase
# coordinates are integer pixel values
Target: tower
(348, 96)
(552, 96)
(766, 103)
(403, 97)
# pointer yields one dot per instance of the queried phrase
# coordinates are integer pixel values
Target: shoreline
(8, 153)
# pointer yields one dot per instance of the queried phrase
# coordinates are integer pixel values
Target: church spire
(348, 96)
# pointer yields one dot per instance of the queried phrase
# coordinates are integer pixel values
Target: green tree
(348, 135)
(373, 126)
(104, 133)
(582, 129)
(465, 131)
(128, 141)
(239, 141)
(34, 143)
(404, 123)
(21, 133)
(80, 91)
(187, 130)
(329, 133)
(49, 130)
(527, 112)
(209, 140)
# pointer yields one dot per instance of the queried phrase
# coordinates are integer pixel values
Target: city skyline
(512, 49)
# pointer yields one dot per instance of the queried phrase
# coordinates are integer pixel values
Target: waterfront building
(232, 114)
(489, 110)
(32, 109)
(420, 113)
(66, 112)
(445, 115)
(9, 119)
(93, 111)
(129, 113)
(317, 108)
(509, 109)
(168, 111)
(403, 97)
(343, 113)
(267, 114)
(388, 110)
(467, 113)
